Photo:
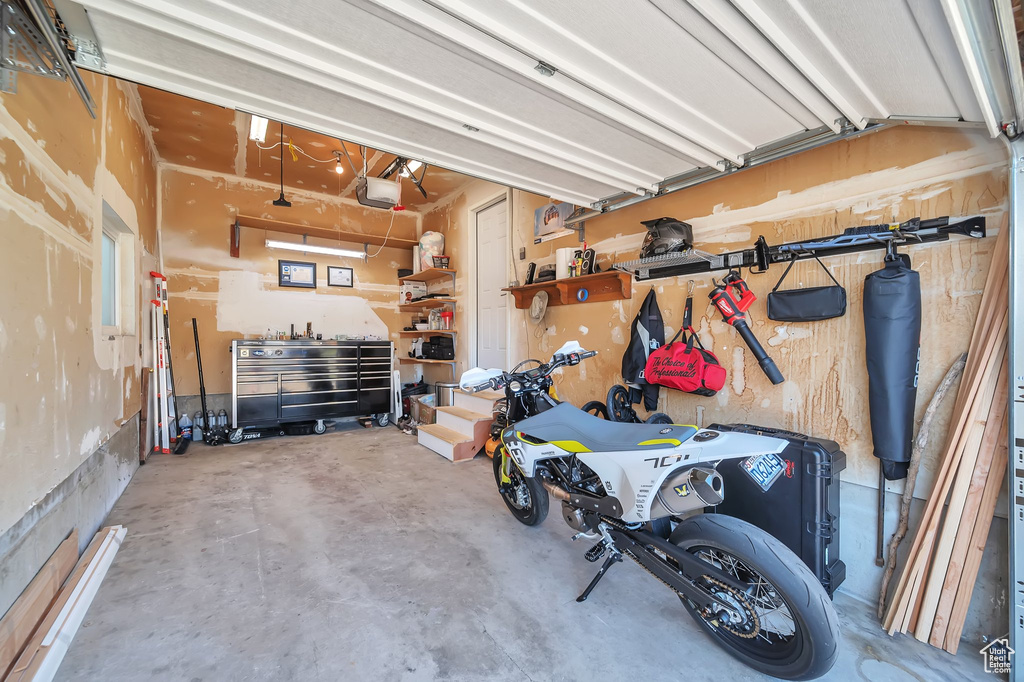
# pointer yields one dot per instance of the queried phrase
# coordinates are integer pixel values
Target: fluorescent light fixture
(410, 168)
(312, 248)
(258, 128)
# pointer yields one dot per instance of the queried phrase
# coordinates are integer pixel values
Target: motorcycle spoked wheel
(789, 628)
(620, 409)
(596, 408)
(524, 497)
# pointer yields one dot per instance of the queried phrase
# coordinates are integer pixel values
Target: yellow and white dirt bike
(639, 490)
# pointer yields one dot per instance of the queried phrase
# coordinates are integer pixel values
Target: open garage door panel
(583, 100)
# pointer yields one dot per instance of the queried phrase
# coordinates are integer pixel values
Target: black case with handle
(801, 508)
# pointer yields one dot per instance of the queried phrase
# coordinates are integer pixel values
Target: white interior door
(491, 276)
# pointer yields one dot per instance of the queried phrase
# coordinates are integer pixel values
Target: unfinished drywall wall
(67, 385)
(890, 175)
(239, 297)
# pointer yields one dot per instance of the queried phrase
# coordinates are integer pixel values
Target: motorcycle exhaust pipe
(554, 490)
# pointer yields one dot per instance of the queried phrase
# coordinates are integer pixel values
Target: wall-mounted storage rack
(603, 286)
(761, 255)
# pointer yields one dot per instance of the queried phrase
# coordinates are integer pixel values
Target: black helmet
(666, 235)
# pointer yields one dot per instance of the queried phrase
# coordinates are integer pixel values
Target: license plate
(764, 469)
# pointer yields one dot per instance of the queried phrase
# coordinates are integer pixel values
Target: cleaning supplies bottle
(197, 425)
(185, 427)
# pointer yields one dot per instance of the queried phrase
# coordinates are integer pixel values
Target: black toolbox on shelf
(801, 508)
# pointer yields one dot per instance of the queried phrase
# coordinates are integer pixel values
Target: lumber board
(23, 670)
(946, 533)
(989, 326)
(924, 434)
(972, 562)
(977, 362)
(993, 430)
(23, 618)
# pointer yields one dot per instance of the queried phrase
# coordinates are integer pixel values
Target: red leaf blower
(733, 306)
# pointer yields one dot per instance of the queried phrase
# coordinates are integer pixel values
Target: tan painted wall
(891, 175)
(240, 298)
(65, 388)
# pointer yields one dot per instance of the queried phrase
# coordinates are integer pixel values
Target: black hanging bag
(806, 305)
(892, 330)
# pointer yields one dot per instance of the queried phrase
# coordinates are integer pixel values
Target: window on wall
(117, 275)
(108, 283)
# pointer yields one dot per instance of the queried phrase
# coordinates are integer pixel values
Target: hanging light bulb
(338, 168)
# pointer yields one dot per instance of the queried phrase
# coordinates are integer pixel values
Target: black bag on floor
(892, 330)
(809, 304)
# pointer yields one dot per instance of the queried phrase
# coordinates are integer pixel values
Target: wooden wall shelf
(604, 286)
(312, 231)
(429, 275)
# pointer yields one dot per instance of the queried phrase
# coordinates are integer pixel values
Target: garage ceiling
(581, 100)
(200, 135)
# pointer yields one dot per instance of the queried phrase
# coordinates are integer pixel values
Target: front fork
(504, 468)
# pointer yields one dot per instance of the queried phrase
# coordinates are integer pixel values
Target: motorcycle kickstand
(608, 563)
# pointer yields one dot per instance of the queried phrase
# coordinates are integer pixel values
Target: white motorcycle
(639, 490)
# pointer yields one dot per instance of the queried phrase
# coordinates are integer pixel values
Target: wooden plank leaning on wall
(23, 618)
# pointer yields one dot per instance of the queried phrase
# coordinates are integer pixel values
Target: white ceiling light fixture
(338, 168)
(258, 128)
(312, 248)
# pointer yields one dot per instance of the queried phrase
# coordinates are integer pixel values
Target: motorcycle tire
(779, 579)
(536, 509)
(659, 418)
(620, 409)
(596, 408)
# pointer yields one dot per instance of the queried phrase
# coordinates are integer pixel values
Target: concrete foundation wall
(82, 500)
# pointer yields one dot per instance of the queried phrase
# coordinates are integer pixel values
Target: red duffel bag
(684, 367)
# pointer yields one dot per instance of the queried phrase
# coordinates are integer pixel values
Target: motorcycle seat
(572, 429)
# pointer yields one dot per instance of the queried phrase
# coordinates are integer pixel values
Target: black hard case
(801, 508)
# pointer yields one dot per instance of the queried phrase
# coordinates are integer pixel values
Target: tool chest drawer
(276, 382)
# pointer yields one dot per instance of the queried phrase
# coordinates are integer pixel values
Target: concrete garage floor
(362, 556)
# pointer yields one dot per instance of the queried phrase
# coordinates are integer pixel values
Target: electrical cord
(297, 148)
(385, 242)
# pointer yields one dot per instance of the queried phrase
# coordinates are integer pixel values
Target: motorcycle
(640, 491)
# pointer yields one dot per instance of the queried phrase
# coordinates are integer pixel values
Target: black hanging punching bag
(892, 329)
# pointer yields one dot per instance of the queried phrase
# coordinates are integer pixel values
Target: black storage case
(801, 508)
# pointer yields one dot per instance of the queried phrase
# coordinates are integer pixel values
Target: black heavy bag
(647, 334)
(892, 329)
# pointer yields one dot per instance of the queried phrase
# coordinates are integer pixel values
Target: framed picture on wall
(339, 277)
(293, 273)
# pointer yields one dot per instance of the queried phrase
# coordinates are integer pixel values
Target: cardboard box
(425, 407)
(410, 291)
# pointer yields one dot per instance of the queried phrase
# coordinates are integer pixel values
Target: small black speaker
(531, 270)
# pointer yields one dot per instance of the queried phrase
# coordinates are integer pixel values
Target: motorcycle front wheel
(524, 497)
(783, 624)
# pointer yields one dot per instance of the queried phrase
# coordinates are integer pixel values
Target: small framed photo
(339, 277)
(293, 273)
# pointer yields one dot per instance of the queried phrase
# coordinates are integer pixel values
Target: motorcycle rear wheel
(524, 497)
(797, 632)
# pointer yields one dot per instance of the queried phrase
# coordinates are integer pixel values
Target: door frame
(472, 271)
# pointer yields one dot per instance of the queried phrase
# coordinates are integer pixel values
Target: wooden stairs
(462, 429)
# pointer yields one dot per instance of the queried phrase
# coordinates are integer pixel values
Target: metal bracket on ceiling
(29, 43)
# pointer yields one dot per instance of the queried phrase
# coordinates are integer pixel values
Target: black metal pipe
(202, 383)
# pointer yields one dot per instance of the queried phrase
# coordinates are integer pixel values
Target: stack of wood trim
(935, 586)
(39, 637)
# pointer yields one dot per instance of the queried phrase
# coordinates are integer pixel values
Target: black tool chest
(801, 508)
(280, 382)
